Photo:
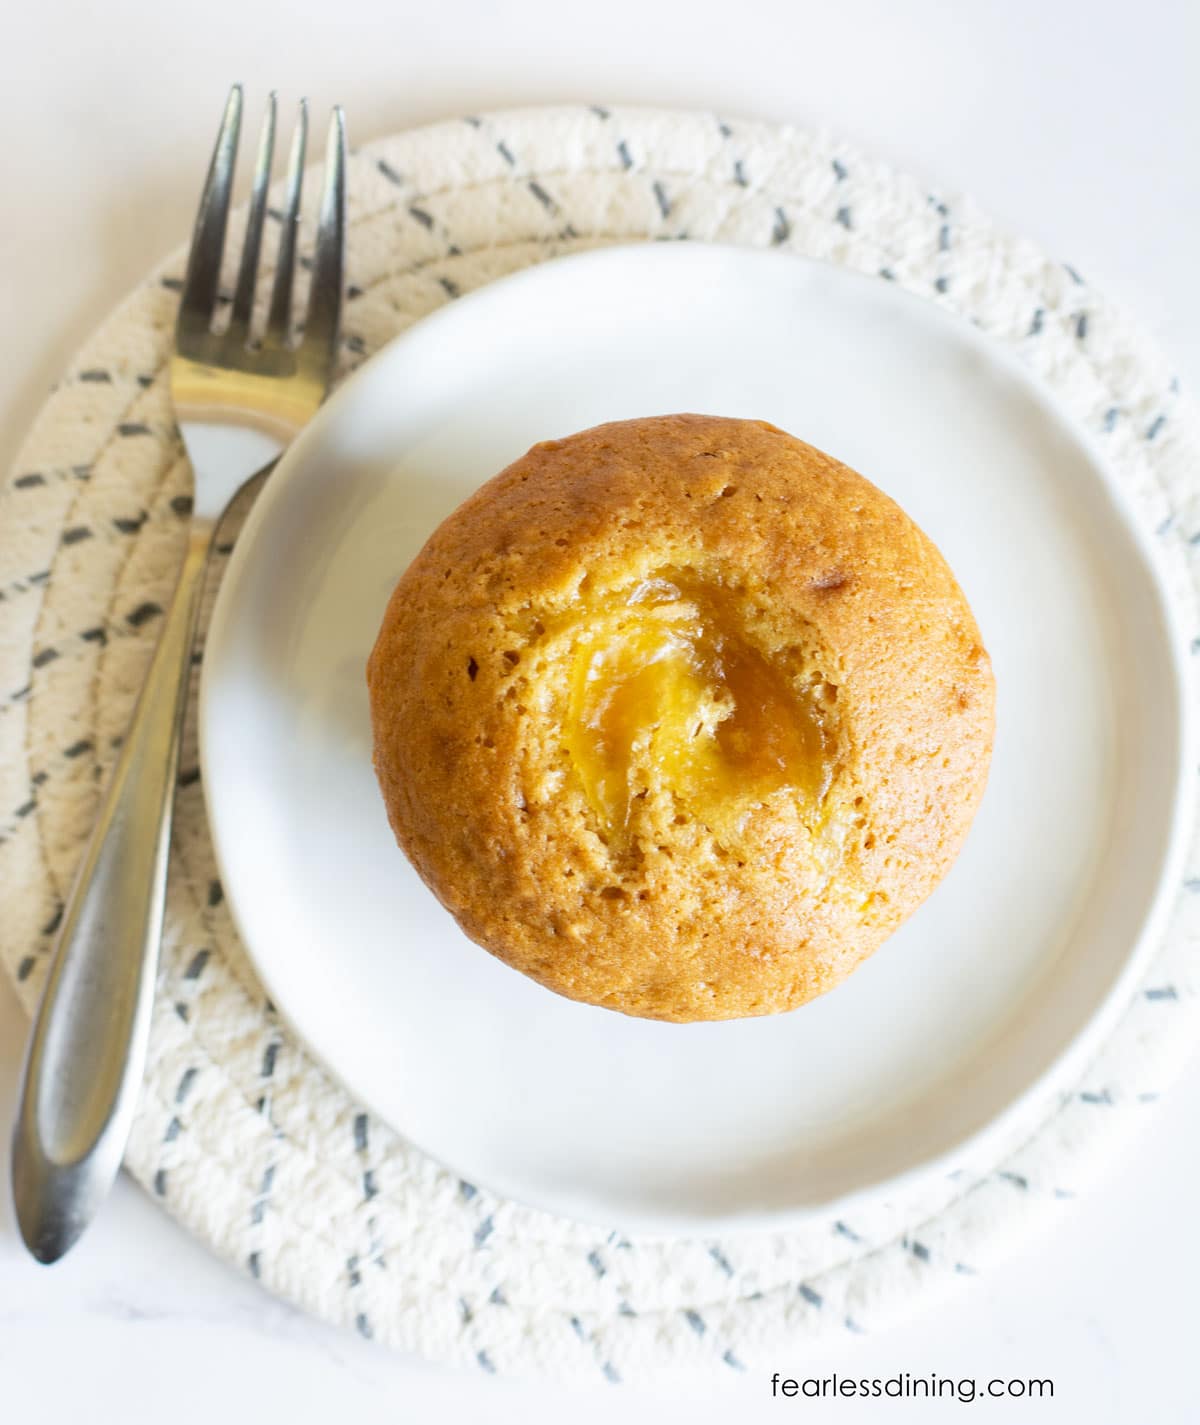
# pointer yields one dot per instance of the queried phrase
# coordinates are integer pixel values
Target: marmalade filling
(664, 693)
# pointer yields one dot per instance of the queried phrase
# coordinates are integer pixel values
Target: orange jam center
(664, 693)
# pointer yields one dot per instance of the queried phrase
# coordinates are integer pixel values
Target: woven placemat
(239, 1134)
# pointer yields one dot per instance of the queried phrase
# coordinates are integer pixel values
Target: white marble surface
(1077, 122)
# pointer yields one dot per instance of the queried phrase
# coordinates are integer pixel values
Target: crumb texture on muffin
(681, 717)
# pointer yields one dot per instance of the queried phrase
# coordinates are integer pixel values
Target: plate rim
(1065, 1067)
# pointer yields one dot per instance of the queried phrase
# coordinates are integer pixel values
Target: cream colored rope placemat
(240, 1135)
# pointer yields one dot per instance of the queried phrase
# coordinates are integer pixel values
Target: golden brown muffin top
(680, 716)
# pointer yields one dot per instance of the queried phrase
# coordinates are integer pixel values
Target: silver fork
(239, 402)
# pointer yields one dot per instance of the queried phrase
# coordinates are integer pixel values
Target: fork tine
(325, 295)
(279, 318)
(208, 237)
(243, 297)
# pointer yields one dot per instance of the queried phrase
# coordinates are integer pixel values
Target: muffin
(681, 717)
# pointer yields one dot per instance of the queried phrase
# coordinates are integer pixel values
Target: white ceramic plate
(993, 993)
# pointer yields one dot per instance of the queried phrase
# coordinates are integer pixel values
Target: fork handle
(87, 1050)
